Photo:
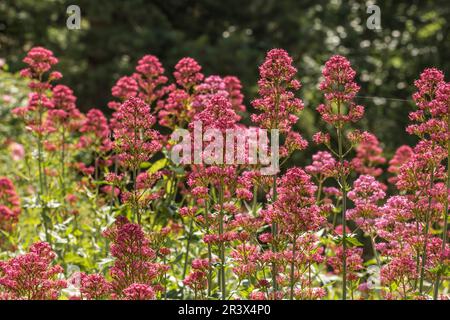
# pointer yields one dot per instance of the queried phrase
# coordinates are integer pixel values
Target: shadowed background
(231, 38)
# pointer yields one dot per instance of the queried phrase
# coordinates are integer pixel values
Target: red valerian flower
(218, 114)
(339, 88)
(31, 276)
(135, 259)
(135, 141)
(368, 156)
(92, 286)
(139, 291)
(401, 156)
(295, 209)
(125, 88)
(64, 104)
(366, 194)
(432, 98)
(187, 73)
(9, 205)
(353, 258)
(277, 85)
(233, 87)
(176, 110)
(96, 133)
(150, 77)
(323, 165)
(39, 61)
(9, 211)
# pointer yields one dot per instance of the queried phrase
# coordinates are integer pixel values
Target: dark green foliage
(231, 37)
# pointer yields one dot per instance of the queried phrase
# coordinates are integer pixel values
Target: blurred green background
(232, 37)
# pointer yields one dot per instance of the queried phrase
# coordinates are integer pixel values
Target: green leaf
(158, 165)
(354, 242)
(145, 165)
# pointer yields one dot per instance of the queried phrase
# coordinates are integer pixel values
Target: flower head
(32, 276)
(187, 73)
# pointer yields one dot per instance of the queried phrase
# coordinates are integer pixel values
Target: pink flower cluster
(32, 276)
(277, 85)
(9, 205)
(135, 268)
(339, 89)
(135, 141)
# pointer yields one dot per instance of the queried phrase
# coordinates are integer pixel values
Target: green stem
(274, 235)
(444, 232)
(209, 254)
(188, 244)
(255, 199)
(375, 252)
(209, 270)
(343, 184)
(63, 155)
(294, 242)
(427, 227)
(319, 190)
(136, 212)
(222, 246)
(41, 172)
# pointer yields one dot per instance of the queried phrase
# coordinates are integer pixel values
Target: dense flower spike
(233, 87)
(92, 286)
(368, 156)
(401, 156)
(175, 111)
(187, 73)
(135, 261)
(218, 114)
(276, 88)
(125, 88)
(39, 61)
(139, 291)
(295, 207)
(150, 78)
(366, 194)
(135, 141)
(339, 88)
(64, 104)
(96, 133)
(323, 165)
(31, 276)
(432, 100)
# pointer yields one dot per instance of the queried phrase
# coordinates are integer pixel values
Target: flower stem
(375, 252)
(343, 184)
(274, 235)
(209, 254)
(444, 232)
(426, 234)
(63, 162)
(41, 172)
(188, 244)
(222, 246)
(294, 243)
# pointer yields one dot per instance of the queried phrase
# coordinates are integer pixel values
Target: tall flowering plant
(278, 107)
(40, 62)
(296, 214)
(135, 142)
(431, 124)
(339, 110)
